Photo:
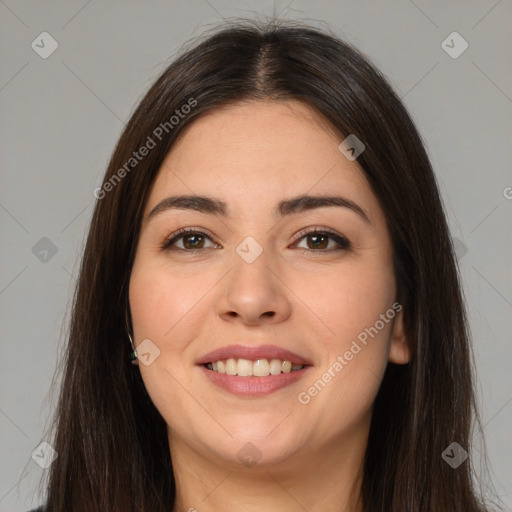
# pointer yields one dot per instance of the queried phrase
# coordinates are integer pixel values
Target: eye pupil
(322, 239)
(193, 245)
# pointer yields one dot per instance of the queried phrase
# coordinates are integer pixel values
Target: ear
(400, 349)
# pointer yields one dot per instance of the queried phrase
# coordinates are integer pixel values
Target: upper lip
(252, 353)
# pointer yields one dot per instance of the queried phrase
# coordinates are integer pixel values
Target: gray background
(61, 116)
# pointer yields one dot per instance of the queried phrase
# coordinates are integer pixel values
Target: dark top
(40, 509)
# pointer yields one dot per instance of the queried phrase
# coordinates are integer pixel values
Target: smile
(256, 368)
(250, 370)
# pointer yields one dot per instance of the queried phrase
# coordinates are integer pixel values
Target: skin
(251, 156)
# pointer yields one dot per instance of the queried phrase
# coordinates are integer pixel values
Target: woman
(270, 240)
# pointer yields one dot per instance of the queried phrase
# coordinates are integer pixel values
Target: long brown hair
(112, 445)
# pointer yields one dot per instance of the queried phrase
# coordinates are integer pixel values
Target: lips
(253, 353)
(258, 382)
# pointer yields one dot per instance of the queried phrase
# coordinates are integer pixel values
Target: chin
(262, 442)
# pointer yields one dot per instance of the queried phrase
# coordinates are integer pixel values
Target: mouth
(250, 371)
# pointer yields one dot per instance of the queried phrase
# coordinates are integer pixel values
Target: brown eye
(323, 241)
(318, 241)
(193, 241)
(187, 240)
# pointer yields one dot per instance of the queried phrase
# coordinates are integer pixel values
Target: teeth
(244, 368)
(275, 366)
(257, 368)
(231, 367)
(260, 368)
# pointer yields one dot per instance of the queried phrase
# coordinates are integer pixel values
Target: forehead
(254, 154)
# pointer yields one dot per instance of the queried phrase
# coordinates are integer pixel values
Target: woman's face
(253, 287)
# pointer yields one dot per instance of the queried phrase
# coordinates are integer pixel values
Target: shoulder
(40, 509)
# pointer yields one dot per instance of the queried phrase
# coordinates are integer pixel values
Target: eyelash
(339, 239)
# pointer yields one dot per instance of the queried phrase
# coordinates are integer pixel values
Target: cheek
(161, 300)
(164, 309)
(348, 301)
(151, 301)
(357, 308)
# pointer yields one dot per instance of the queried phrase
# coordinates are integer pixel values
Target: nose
(253, 294)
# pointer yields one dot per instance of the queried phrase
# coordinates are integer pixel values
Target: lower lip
(253, 386)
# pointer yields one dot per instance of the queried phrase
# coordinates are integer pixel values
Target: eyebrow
(208, 205)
